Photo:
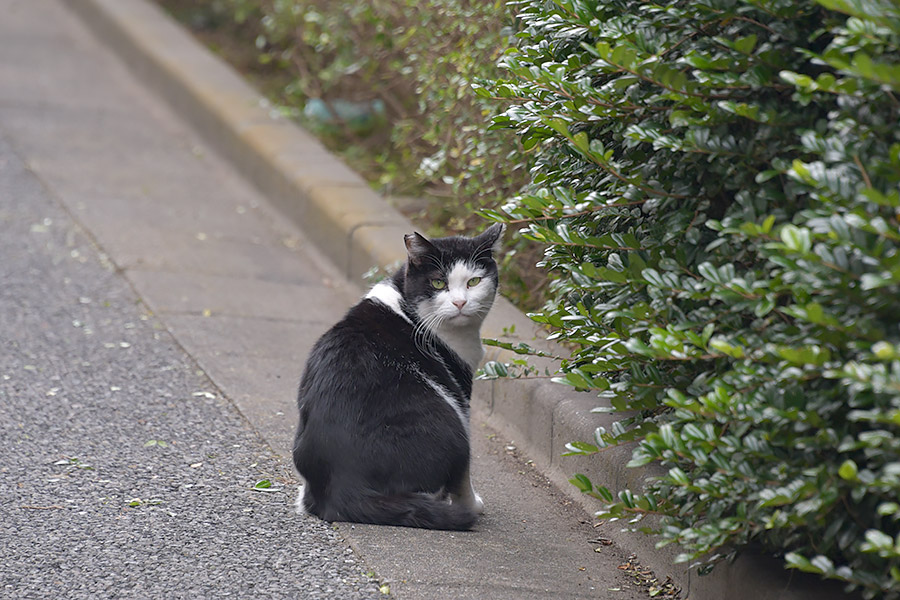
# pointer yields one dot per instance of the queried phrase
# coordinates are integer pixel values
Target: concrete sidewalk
(125, 472)
(243, 294)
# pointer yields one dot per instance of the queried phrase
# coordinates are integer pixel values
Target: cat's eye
(438, 284)
(474, 281)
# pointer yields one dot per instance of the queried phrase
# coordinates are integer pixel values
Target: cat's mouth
(460, 318)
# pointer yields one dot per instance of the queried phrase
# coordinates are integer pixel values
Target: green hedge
(717, 184)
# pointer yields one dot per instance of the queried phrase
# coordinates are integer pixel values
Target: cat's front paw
(477, 504)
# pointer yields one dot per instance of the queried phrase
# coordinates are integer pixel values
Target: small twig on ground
(644, 577)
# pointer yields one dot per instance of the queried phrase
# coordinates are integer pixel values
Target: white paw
(300, 504)
(477, 503)
(472, 501)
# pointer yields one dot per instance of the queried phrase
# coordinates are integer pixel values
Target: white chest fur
(465, 341)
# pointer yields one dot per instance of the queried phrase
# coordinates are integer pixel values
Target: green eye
(474, 281)
(438, 284)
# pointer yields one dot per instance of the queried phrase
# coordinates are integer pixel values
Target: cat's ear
(491, 237)
(417, 247)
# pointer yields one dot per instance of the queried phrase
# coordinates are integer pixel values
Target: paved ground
(125, 472)
(155, 314)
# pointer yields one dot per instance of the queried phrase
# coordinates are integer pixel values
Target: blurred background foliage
(386, 84)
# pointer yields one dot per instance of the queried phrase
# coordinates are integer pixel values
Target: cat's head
(452, 281)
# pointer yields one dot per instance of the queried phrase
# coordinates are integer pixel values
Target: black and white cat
(384, 400)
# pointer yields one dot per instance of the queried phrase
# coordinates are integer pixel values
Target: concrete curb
(358, 229)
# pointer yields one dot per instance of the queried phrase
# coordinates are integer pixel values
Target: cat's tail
(428, 511)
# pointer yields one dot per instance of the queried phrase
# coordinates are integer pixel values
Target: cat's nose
(459, 303)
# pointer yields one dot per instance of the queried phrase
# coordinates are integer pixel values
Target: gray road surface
(125, 472)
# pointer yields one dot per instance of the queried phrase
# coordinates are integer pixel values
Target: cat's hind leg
(301, 505)
(465, 494)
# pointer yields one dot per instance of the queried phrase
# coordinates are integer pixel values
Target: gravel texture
(125, 473)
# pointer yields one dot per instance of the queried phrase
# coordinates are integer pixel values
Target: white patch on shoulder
(445, 395)
(388, 295)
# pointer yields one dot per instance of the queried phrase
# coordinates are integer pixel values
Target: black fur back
(384, 401)
(376, 444)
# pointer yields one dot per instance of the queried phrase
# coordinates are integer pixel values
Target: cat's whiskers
(471, 259)
(436, 262)
(425, 331)
(435, 325)
(479, 254)
(481, 310)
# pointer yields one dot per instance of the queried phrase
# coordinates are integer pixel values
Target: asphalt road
(125, 473)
